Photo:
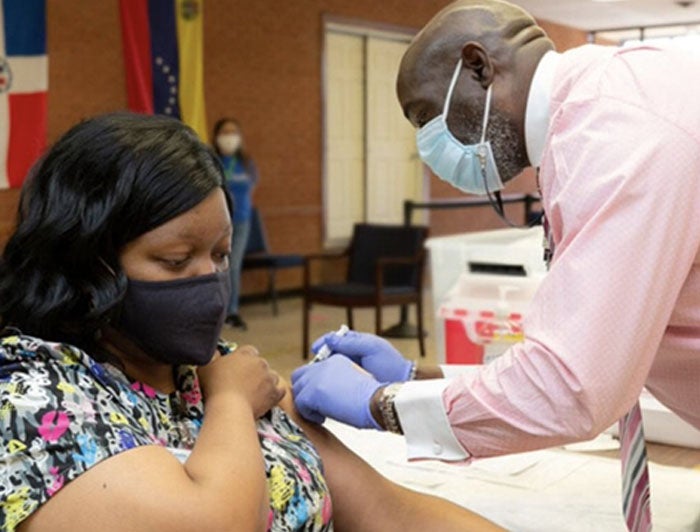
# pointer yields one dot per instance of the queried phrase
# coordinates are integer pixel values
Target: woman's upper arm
(145, 488)
(365, 501)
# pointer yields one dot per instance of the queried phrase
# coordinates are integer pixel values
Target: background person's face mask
(176, 322)
(228, 143)
(470, 168)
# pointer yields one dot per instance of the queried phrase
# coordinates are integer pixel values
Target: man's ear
(476, 59)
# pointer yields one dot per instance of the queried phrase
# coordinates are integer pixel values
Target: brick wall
(263, 66)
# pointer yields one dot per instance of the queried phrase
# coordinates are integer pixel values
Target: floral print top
(61, 413)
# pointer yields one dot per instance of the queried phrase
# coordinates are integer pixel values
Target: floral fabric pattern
(61, 412)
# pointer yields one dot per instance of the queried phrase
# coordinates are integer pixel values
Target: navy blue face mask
(176, 322)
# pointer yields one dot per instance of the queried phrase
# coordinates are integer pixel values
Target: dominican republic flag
(23, 88)
(163, 57)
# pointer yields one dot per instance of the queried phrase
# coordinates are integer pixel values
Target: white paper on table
(541, 491)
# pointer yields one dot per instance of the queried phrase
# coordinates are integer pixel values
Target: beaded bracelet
(388, 409)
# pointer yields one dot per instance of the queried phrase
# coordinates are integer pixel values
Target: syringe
(325, 351)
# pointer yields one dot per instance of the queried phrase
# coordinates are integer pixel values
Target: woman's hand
(245, 373)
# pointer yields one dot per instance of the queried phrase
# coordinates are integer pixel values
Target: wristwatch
(388, 409)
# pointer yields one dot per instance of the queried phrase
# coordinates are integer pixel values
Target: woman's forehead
(209, 220)
(229, 127)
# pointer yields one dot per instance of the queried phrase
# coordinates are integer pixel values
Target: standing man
(615, 134)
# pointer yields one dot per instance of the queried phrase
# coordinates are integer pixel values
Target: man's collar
(537, 110)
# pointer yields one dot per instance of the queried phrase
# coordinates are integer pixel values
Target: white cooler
(481, 284)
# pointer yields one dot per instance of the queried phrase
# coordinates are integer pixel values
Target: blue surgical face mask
(468, 167)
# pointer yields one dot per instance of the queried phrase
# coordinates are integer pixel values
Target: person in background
(120, 408)
(241, 178)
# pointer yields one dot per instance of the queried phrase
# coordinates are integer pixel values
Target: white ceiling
(591, 15)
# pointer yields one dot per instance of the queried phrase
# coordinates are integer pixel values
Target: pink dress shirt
(618, 146)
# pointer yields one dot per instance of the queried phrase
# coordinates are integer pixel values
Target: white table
(552, 490)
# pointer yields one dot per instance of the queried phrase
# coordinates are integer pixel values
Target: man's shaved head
(499, 26)
(498, 44)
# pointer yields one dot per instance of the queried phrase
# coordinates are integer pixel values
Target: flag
(162, 42)
(23, 88)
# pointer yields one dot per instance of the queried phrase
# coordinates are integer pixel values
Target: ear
(476, 59)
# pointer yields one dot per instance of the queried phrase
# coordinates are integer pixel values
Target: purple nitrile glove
(335, 388)
(373, 353)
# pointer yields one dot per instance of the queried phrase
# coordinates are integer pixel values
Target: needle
(325, 351)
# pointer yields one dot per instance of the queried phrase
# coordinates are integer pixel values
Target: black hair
(104, 183)
(241, 154)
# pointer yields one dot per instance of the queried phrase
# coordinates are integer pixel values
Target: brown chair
(385, 267)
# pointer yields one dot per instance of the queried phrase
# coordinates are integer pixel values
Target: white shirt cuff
(424, 422)
(453, 370)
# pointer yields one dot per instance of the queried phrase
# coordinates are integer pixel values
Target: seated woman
(119, 408)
